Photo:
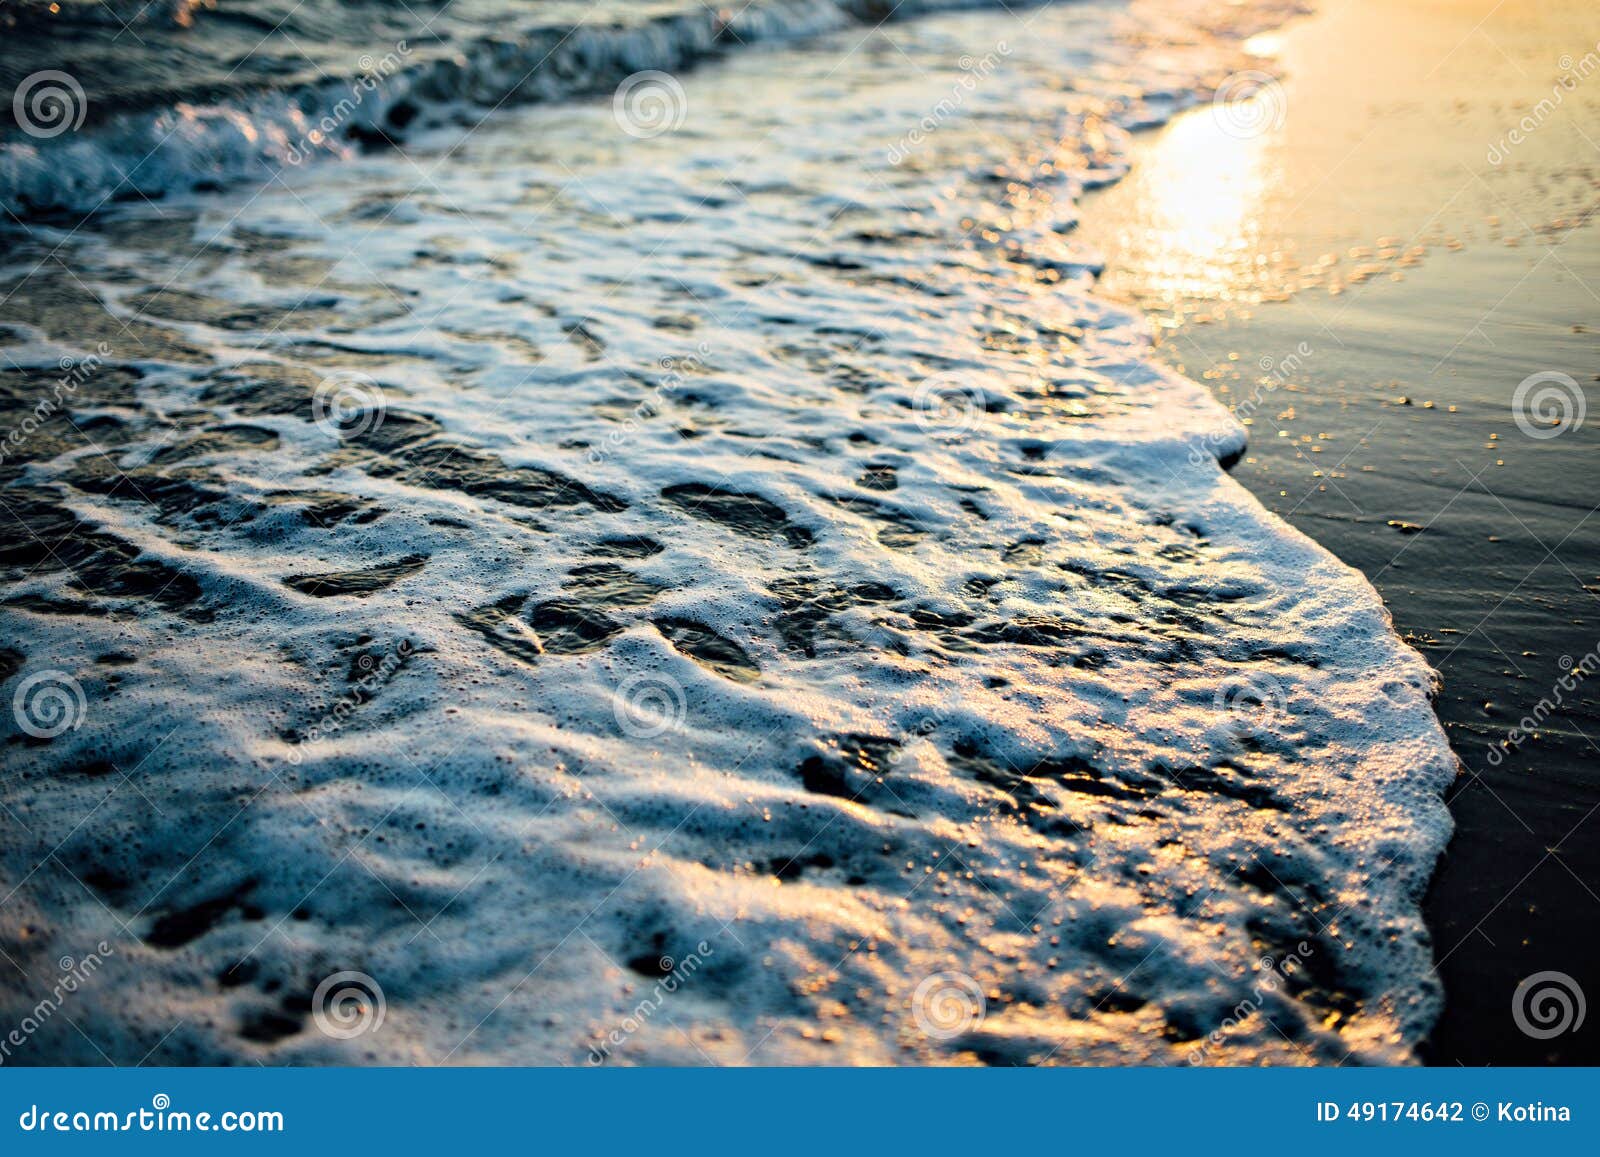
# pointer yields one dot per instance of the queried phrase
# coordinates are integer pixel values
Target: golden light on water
(1265, 44)
(1201, 191)
(1285, 186)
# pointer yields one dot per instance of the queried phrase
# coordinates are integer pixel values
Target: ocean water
(682, 569)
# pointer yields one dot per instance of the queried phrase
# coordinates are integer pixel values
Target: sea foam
(719, 596)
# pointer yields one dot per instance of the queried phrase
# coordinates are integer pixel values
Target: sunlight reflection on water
(1203, 191)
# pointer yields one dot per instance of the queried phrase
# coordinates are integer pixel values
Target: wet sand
(1366, 264)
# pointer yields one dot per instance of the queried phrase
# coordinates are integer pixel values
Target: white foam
(152, 152)
(493, 840)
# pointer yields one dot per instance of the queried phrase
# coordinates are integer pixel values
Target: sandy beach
(1400, 237)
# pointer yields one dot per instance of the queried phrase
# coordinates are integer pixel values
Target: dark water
(130, 55)
(124, 101)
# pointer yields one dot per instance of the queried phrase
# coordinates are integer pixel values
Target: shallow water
(1411, 262)
(522, 566)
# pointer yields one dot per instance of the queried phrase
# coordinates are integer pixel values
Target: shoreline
(1372, 291)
